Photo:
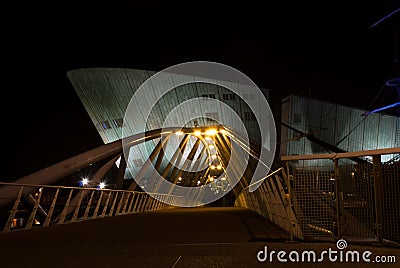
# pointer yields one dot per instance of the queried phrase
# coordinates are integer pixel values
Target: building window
(105, 125)
(249, 116)
(297, 118)
(138, 162)
(211, 96)
(212, 117)
(230, 96)
(248, 96)
(119, 122)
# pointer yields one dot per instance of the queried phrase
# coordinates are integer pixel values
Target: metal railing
(45, 205)
(272, 201)
(336, 197)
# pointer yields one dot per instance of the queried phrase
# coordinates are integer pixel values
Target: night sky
(320, 48)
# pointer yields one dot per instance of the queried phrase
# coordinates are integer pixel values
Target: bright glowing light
(198, 182)
(219, 167)
(180, 178)
(85, 182)
(223, 131)
(179, 133)
(213, 156)
(223, 179)
(211, 179)
(197, 133)
(211, 132)
(102, 185)
(212, 167)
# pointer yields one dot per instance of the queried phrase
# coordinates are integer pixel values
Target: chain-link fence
(352, 195)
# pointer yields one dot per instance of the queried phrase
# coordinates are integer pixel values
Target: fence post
(377, 174)
(337, 199)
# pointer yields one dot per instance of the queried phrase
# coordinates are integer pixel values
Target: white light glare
(211, 132)
(102, 185)
(85, 182)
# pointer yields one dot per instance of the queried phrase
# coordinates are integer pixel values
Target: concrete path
(187, 237)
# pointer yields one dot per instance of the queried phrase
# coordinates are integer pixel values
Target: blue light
(383, 108)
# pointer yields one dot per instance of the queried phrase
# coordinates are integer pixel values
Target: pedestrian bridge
(45, 223)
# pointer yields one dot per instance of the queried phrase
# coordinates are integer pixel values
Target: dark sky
(322, 47)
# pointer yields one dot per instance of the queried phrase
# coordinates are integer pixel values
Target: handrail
(395, 150)
(81, 188)
(263, 179)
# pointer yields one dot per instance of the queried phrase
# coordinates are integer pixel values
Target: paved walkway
(187, 237)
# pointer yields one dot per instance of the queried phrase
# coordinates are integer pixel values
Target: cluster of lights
(208, 132)
(218, 185)
(208, 135)
(85, 182)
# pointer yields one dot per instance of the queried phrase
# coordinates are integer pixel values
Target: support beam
(148, 162)
(188, 161)
(153, 179)
(119, 180)
(178, 160)
(181, 147)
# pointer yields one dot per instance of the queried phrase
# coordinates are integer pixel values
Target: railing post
(78, 206)
(135, 208)
(96, 210)
(33, 213)
(121, 200)
(377, 174)
(131, 203)
(126, 202)
(7, 228)
(337, 195)
(113, 204)
(64, 212)
(52, 206)
(88, 206)
(103, 213)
